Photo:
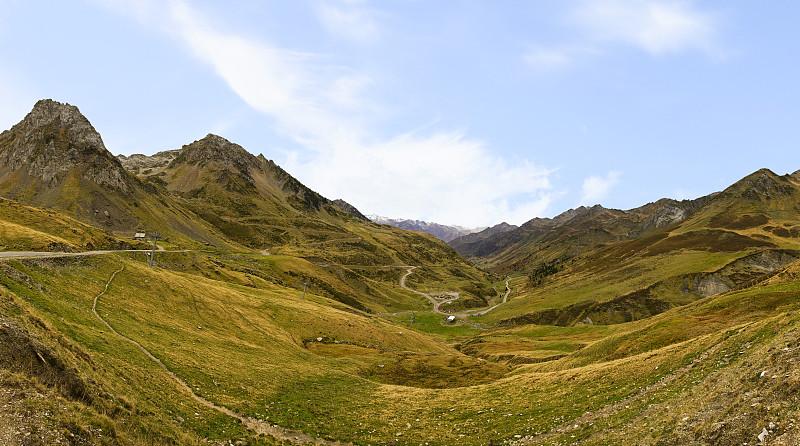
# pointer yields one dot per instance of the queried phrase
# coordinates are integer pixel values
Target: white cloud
(658, 27)
(441, 176)
(310, 100)
(349, 19)
(596, 188)
(546, 60)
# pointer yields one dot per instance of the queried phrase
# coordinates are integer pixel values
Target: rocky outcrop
(669, 212)
(350, 209)
(139, 164)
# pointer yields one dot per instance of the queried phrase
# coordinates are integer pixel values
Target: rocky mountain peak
(54, 139)
(216, 149)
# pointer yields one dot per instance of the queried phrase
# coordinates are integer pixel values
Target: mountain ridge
(573, 232)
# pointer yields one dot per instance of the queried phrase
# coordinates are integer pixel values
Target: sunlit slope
(258, 205)
(25, 228)
(316, 365)
(570, 234)
(210, 194)
(235, 345)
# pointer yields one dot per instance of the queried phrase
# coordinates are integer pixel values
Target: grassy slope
(243, 347)
(25, 228)
(233, 325)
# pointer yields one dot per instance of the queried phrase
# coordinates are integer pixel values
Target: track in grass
(256, 425)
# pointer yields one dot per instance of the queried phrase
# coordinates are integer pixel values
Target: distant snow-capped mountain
(442, 232)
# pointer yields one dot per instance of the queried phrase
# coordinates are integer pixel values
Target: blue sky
(458, 112)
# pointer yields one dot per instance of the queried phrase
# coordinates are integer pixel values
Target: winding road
(436, 303)
(433, 300)
(482, 312)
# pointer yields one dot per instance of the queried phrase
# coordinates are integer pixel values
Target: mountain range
(269, 314)
(442, 232)
(210, 193)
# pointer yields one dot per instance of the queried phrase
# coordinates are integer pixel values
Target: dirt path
(43, 254)
(256, 425)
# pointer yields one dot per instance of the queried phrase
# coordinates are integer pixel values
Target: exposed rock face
(54, 140)
(764, 184)
(712, 285)
(670, 212)
(770, 260)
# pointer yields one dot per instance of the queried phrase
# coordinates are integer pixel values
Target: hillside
(469, 243)
(274, 316)
(600, 266)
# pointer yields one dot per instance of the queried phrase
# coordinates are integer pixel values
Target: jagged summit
(582, 212)
(763, 185)
(53, 142)
(49, 112)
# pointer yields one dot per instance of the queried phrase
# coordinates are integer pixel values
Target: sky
(456, 112)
